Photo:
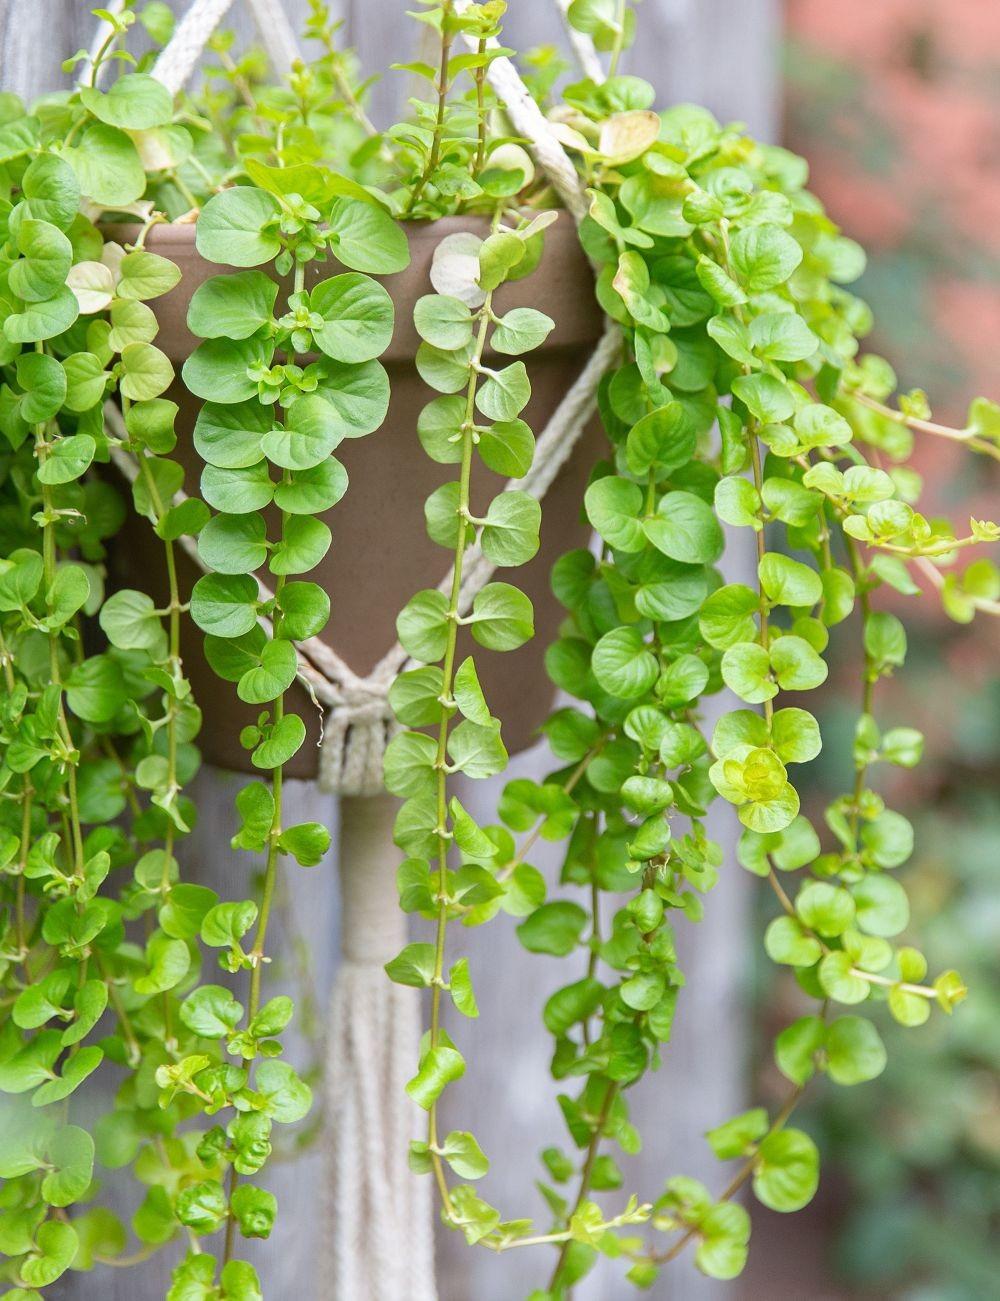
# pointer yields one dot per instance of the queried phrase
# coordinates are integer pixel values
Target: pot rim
(182, 233)
(566, 288)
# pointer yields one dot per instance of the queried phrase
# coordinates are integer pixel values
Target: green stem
(49, 566)
(586, 1174)
(134, 1053)
(257, 953)
(188, 195)
(448, 672)
(443, 86)
(870, 676)
(239, 81)
(346, 91)
(27, 798)
(480, 113)
(99, 57)
(738, 1180)
(965, 436)
(619, 42)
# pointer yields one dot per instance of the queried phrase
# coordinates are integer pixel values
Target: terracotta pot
(381, 554)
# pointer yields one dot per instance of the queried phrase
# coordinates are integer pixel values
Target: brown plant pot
(381, 554)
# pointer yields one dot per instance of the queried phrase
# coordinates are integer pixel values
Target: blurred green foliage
(923, 1152)
(920, 1155)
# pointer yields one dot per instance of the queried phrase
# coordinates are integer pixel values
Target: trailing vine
(742, 398)
(456, 333)
(265, 417)
(725, 276)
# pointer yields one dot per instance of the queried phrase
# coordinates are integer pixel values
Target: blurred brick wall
(896, 104)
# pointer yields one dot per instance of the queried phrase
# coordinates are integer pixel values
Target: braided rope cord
(582, 45)
(180, 56)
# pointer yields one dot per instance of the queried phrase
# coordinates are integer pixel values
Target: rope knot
(363, 702)
(358, 726)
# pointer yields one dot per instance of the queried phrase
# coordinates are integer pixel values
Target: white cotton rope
(582, 46)
(277, 34)
(380, 1241)
(180, 56)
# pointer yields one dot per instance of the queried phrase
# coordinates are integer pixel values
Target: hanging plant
(732, 391)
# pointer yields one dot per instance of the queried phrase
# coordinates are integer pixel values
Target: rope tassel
(380, 1245)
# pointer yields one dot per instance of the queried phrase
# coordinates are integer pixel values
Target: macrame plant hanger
(377, 1215)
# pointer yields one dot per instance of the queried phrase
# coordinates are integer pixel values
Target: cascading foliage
(742, 399)
(266, 434)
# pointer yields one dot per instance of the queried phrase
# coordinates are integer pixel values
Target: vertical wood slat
(721, 53)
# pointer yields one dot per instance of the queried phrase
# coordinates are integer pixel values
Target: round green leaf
(135, 102)
(130, 621)
(365, 238)
(442, 321)
(218, 369)
(51, 189)
(238, 227)
(70, 1154)
(357, 317)
(233, 544)
(283, 743)
(855, 1052)
(763, 257)
(237, 492)
(310, 434)
(786, 1174)
(46, 257)
(664, 439)
(359, 394)
(107, 166)
(787, 582)
(273, 675)
(623, 664)
(502, 618)
(233, 306)
(225, 605)
(230, 436)
(553, 928)
(685, 528)
(44, 382)
(510, 533)
(745, 670)
(882, 904)
(303, 545)
(614, 507)
(312, 491)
